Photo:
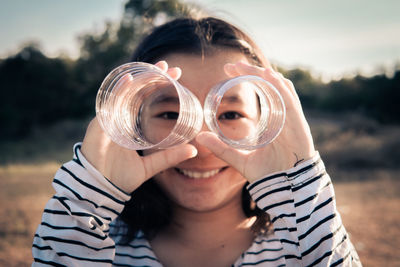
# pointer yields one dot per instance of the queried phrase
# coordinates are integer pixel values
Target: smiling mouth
(199, 174)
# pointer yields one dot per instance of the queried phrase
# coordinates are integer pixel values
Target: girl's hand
(124, 167)
(294, 143)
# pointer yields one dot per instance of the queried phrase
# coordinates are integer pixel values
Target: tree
(36, 91)
(308, 88)
(102, 52)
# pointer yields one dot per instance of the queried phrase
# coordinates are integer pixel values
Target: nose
(202, 151)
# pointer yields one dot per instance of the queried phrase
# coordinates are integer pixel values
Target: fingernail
(229, 67)
(194, 152)
(162, 64)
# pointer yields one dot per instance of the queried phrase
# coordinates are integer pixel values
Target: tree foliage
(36, 91)
(101, 52)
(39, 91)
(375, 97)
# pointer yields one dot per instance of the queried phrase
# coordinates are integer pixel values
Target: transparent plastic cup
(247, 112)
(139, 106)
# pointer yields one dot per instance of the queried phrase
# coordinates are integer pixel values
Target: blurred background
(342, 56)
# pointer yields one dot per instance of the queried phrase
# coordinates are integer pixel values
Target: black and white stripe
(78, 223)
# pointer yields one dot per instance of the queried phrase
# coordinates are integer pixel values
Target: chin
(202, 204)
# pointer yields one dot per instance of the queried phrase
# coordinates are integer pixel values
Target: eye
(230, 115)
(169, 115)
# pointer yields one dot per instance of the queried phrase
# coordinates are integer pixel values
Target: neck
(212, 228)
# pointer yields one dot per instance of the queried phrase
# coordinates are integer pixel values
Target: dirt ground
(371, 214)
(361, 156)
(370, 211)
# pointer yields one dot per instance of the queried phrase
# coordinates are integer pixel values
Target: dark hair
(198, 36)
(149, 209)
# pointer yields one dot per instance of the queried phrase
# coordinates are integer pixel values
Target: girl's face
(206, 183)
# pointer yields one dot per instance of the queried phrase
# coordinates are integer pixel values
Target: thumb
(164, 159)
(230, 155)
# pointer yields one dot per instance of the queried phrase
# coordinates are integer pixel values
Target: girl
(202, 203)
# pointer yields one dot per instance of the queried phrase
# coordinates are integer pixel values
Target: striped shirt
(78, 219)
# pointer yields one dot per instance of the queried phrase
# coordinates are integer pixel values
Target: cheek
(168, 183)
(238, 129)
(156, 130)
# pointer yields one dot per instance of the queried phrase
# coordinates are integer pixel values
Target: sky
(330, 38)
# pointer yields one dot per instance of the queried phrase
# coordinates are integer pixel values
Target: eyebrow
(232, 99)
(163, 99)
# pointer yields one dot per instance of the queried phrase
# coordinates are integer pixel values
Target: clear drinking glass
(139, 106)
(247, 112)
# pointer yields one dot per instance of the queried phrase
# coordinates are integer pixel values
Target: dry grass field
(24, 190)
(360, 157)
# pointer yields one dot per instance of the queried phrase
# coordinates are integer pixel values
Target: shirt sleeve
(301, 204)
(75, 222)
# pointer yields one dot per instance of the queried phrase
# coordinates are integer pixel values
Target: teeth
(199, 175)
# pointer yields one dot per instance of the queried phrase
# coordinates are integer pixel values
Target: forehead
(200, 73)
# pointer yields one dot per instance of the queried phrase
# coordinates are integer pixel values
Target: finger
(285, 88)
(289, 84)
(230, 70)
(94, 125)
(164, 159)
(232, 156)
(95, 139)
(93, 130)
(268, 74)
(273, 77)
(163, 65)
(175, 73)
(244, 68)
